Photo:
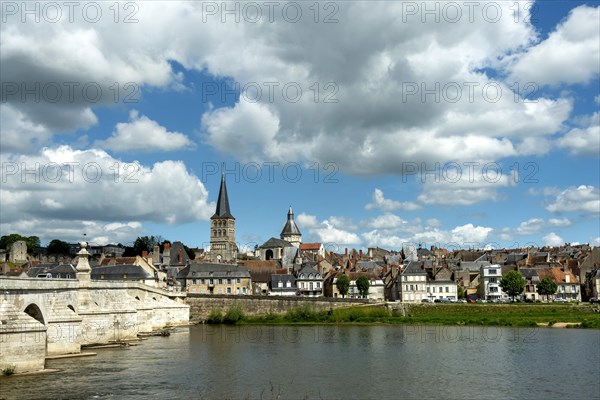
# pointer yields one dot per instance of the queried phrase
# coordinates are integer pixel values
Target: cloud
(584, 141)
(383, 204)
(306, 221)
(387, 221)
(470, 234)
(81, 185)
(552, 239)
(584, 199)
(569, 55)
(375, 125)
(96, 233)
(326, 231)
(143, 134)
(465, 185)
(559, 222)
(531, 226)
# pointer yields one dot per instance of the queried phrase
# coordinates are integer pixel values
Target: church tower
(290, 231)
(222, 229)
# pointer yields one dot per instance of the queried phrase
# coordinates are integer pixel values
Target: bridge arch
(35, 312)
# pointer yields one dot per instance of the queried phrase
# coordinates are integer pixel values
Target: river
(343, 362)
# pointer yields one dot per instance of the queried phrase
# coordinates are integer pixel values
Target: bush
(8, 371)
(215, 317)
(234, 315)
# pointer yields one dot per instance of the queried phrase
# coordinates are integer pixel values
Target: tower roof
(290, 227)
(222, 210)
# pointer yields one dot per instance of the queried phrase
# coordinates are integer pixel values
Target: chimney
(167, 246)
(360, 254)
(144, 254)
(346, 253)
(180, 255)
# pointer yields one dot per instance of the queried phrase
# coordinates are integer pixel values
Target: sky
(449, 124)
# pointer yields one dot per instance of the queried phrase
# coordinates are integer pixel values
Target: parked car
(471, 300)
(461, 301)
(425, 301)
(529, 301)
(437, 301)
(560, 300)
(594, 300)
(445, 300)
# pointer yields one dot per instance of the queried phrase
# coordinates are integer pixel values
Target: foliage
(512, 283)
(7, 241)
(546, 287)
(190, 252)
(343, 284)
(215, 317)
(362, 284)
(461, 292)
(58, 247)
(8, 371)
(144, 243)
(234, 315)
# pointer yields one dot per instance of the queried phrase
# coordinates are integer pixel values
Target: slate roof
(414, 268)
(117, 273)
(307, 270)
(290, 227)
(275, 243)
(223, 210)
(214, 270)
(275, 278)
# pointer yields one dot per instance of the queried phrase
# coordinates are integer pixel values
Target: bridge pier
(22, 341)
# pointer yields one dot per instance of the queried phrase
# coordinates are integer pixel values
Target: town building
(216, 278)
(440, 285)
(413, 282)
(489, 283)
(309, 281)
(283, 285)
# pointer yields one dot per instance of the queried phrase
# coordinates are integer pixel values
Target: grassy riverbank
(427, 314)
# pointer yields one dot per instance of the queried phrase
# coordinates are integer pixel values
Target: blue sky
(512, 101)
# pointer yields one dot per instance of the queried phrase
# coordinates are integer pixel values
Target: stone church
(223, 247)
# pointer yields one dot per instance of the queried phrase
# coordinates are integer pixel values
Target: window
(318, 285)
(203, 281)
(238, 280)
(238, 291)
(572, 288)
(301, 276)
(193, 281)
(229, 281)
(562, 288)
(220, 281)
(288, 284)
(228, 290)
(211, 281)
(428, 289)
(493, 280)
(411, 287)
(492, 271)
(280, 284)
(220, 291)
(447, 289)
(434, 289)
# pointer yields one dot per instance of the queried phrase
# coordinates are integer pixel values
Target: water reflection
(359, 362)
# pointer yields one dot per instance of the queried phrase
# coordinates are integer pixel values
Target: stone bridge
(42, 317)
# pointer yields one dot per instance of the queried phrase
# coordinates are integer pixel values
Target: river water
(342, 362)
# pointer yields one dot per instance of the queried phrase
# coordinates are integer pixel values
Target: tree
(461, 292)
(362, 284)
(546, 287)
(58, 247)
(144, 243)
(343, 284)
(7, 241)
(512, 284)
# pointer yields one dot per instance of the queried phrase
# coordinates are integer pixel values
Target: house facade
(216, 278)
(283, 285)
(441, 286)
(489, 283)
(413, 283)
(310, 282)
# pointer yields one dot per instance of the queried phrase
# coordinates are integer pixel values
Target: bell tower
(222, 229)
(290, 231)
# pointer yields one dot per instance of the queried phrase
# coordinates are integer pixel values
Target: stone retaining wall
(202, 305)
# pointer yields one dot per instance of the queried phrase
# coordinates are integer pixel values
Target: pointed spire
(290, 227)
(223, 201)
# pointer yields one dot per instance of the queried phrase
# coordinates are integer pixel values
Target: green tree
(144, 243)
(461, 292)
(343, 284)
(7, 241)
(546, 287)
(512, 284)
(362, 284)
(58, 247)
